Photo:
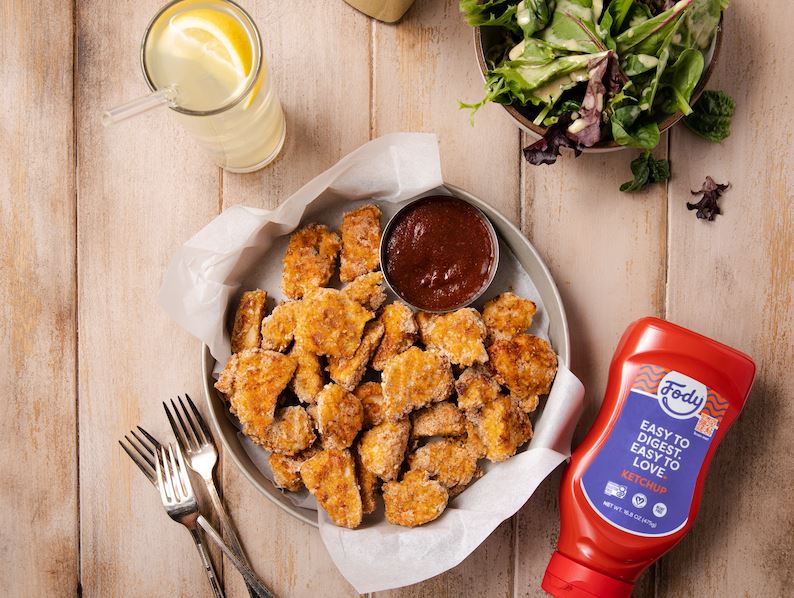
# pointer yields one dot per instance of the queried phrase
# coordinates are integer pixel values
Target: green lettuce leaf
(711, 116)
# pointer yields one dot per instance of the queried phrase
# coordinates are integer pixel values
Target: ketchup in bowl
(439, 253)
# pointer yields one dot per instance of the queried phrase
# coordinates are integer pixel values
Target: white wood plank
(38, 521)
(606, 251)
(733, 280)
(144, 187)
(323, 83)
(422, 66)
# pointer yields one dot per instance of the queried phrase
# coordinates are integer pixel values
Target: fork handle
(205, 559)
(227, 527)
(251, 579)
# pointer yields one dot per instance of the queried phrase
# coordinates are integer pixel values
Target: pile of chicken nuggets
(355, 398)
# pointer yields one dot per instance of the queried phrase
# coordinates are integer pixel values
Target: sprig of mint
(711, 116)
(646, 170)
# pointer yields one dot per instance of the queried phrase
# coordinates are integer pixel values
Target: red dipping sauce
(440, 253)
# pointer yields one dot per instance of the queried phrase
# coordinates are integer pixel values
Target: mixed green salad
(595, 70)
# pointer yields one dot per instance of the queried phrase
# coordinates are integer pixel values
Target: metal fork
(180, 503)
(143, 453)
(196, 443)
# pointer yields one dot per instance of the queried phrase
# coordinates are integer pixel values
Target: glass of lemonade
(210, 51)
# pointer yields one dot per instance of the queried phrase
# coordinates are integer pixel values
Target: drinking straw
(161, 97)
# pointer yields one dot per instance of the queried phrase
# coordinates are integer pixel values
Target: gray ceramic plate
(526, 254)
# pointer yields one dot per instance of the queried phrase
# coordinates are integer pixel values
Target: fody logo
(680, 396)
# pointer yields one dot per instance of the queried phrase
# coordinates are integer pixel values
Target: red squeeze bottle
(632, 489)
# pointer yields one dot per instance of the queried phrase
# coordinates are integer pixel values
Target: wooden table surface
(91, 217)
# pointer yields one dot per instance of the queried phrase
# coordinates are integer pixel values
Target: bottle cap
(569, 579)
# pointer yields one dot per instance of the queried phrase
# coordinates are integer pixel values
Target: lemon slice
(220, 42)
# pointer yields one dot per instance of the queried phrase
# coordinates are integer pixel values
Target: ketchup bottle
(632, 489)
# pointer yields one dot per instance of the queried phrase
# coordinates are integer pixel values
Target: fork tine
(194, 435)
(161, 482)
(183, 475)
(141, 449)
(193, 425)
(200, 419)
(180, 433)
(145, 469)
(176, 478)
(169, 484)
(154, 442)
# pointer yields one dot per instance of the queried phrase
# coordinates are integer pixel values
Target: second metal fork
(197, 446)
(180, 503)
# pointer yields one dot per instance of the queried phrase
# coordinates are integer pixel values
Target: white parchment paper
(242, 249)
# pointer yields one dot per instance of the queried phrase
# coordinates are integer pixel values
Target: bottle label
(643, 479)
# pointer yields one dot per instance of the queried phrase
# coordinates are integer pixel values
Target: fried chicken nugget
(368, 290)
(291, 432)
(507, 315)
(279, 327)
(368, 484)
(400, 330)
(458, 335)
(360, 242)
(449, 461)
(252, 381)
(247, 320)
(340, 416)
(414, 379)
(476, 387)
(371, 396)
(526, 364)
(330, 476)
(473, 443)
(439, 419)
(502, 427)
(286, 469)
(348, 372)
(415, 500)
(329, 323)
(308, 379)
(382, 448)
(310, 259)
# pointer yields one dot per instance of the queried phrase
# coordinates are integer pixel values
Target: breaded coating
(415, 500)
(286, 469)
(526, 404)
(291, 432)
(360, 242)
(507, 315)
(252, 381)
(329, 323)
(368, 290)
(331, 477)
(503, 428)
(399, 333)
(414, 379)
(526, 364)
(368, 485)
(371, 396)
(383, 448)
(310, 259)
(439, 419)
(308, 379)
(447, 460)
(279, 327)
(458, 335)
(247, 320)
(476, 387)
(457, 490)
(347, 372)
(473, 443)
(339, 416)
